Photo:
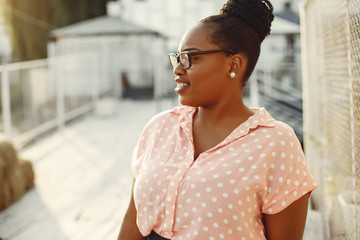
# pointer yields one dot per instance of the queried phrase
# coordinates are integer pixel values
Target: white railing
(38, 95)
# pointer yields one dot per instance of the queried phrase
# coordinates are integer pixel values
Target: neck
(231, 112)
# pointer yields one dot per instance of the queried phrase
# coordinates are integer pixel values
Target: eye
(193, 57)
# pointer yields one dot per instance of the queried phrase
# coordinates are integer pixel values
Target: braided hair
(241, 26)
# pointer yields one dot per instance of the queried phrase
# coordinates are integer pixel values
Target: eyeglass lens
(183, 59)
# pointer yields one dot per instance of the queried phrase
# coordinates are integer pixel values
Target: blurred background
(80, 79)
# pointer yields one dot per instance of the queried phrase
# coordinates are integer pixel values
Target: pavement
(83, 178)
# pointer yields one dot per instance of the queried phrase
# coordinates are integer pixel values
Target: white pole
(60, 99)
(5, 95)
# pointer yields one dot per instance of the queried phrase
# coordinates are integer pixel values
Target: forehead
(197, 37)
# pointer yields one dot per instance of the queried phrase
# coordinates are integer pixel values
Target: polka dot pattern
(259, 168)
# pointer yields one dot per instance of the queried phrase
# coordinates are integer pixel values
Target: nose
(178, 69)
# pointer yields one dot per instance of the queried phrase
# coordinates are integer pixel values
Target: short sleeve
(288, 177)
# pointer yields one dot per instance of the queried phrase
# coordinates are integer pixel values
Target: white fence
(331, 72)
(37, 96)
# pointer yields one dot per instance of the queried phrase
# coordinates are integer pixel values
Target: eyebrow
(189, 49)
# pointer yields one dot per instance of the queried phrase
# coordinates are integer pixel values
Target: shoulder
(169, 117)
(271, 129)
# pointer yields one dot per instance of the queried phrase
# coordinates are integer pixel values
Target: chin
(187, 102)
(191, 102)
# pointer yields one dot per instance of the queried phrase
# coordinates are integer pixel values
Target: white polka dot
(253, 167)
(239, 202)
(272, 165)
(228, 172)
(208, 189)
(197, 195)
(203, 204)
(241, 170)
(271, 177)
(283, 155)
(225, 195)
(244, 178)
(199, 219)
(230, 206)
(216, 225)
(205, 229)
(235, 217)
(192, 185)
(188, 200)
(209, 214)
(239, 229)
(218, 152)
(220, 210)
(214, 199)
(219, 185)
(236, 191)
(225, 165)
(203, 179)
(222, 236)
(281, 179)
(186, 214)
(194, 209)
(231, 149)
(232, 181)
(250, 158)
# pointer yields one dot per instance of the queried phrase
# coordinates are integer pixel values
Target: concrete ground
(83, 178)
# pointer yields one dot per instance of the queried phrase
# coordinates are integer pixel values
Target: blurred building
(126, 57)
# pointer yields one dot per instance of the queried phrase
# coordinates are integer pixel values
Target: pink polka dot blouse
(259, 168)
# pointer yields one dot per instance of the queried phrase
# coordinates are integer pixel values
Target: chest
(207, 138)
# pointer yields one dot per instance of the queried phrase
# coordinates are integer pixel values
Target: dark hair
(241, 26)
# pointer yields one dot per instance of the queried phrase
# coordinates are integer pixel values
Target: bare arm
(289, 223)
(129, 229)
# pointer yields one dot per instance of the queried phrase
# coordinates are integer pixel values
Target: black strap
(154, 236)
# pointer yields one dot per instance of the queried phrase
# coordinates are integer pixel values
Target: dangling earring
(232, 74)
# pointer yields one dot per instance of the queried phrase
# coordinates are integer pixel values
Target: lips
(181, 86)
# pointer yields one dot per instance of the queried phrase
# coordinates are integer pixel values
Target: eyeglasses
(184, 58)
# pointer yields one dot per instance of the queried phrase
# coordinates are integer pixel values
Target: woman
(215, 168)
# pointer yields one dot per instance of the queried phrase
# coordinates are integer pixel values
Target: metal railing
(37, 96)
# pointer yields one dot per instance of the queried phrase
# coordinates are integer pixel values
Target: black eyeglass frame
(189, 54)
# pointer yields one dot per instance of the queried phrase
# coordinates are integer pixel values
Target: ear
(238, 64)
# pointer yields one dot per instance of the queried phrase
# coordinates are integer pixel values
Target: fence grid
(331, 70)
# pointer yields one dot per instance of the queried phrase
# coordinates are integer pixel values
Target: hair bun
(256, 13)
